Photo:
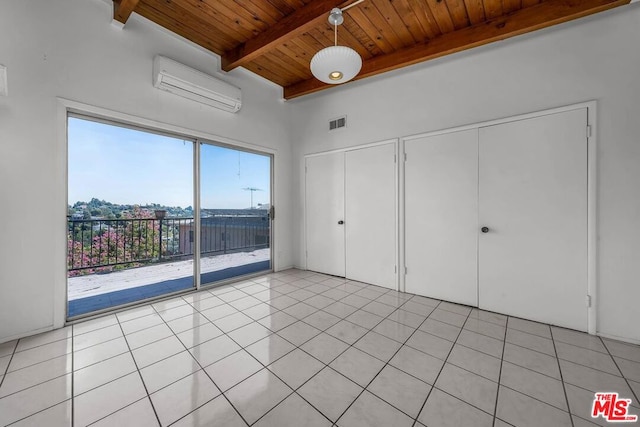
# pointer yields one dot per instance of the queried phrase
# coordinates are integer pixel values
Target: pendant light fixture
(336, 64)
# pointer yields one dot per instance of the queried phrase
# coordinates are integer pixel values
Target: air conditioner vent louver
(171, 76)
(338, 123)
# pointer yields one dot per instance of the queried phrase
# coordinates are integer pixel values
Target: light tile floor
(303, 349)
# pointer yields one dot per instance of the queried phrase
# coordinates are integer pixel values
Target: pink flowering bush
(99, 246)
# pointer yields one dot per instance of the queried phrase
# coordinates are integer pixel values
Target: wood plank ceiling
(276, 39)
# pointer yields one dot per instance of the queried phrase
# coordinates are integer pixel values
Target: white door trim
(356, 147)
(592, 218)
(396, 142)
(592, 230)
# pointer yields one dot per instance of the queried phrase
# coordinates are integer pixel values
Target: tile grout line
(164, 322)
(497, 382)
(124, 337)
(564, 387)
(326, 365)
(151, 304)
(202, 368)
(626, 380)
(43, 344)
(132, 305)
(595, 369)
(385, 363)
(73, 397)
(139, 375)
(295, 347)
(392, 356)
(504, 345)
(481, 333)
(6, 370)
(283, 294)
(534, 371)
(41, 410)
(36, 363)
(489, 379)
(404, 344)
(582, 347)
(40, 383)
(301, 319)
(441, 369)
(558, 358)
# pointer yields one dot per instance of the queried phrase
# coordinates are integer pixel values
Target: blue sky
(127, 166)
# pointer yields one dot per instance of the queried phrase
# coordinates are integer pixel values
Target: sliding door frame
(68, 108)
(197, 207)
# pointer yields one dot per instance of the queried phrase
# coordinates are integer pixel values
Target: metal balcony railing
(103, 245)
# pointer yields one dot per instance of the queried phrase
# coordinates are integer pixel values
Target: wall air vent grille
(338, 123)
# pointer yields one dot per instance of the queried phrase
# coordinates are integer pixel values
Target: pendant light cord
(335, 26)
(351, 5)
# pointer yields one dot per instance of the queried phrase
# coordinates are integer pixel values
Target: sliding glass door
(130, 207)
(235, 202)
(132, 229)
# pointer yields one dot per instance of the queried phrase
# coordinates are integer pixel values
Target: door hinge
(305, 169)
(589, 301)
(395, 268)
(405, 157)
(588, 131)
(272, 213)
(405, 270)
(395, 160)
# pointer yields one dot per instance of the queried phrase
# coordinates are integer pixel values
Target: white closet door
(324, 209)
(370, 221)
(441, 216)
(533, 199)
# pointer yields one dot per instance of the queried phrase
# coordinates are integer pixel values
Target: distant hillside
(96, 208)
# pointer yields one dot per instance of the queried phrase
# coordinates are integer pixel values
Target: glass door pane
(235, 197)
(130, 218)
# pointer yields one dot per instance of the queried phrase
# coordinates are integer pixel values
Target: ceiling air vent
(338, 123)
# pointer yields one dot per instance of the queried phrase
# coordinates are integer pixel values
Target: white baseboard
(26, 334)
(618, 338)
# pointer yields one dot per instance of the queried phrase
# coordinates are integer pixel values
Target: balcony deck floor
(99, 291)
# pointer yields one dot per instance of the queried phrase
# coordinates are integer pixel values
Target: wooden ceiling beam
(545, 14)
(299, 22)
(122, 10)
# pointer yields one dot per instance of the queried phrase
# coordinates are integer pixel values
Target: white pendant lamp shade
(336, 64)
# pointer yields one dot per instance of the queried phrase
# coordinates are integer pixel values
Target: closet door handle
(485, 229)
(340, 222)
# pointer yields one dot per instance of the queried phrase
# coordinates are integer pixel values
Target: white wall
(594, 58)
(68, 48)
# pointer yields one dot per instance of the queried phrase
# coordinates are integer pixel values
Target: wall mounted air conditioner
(179, 79)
